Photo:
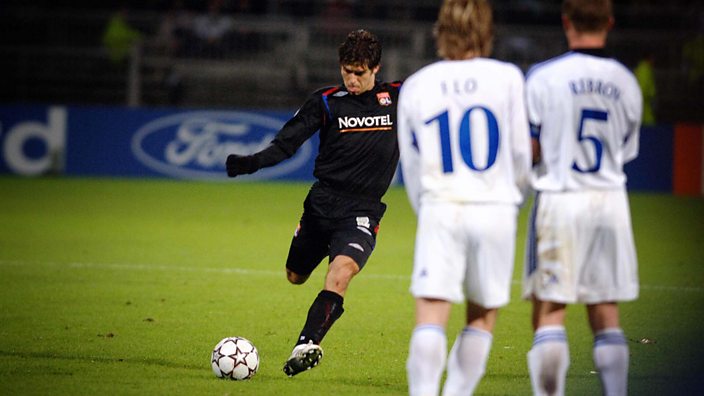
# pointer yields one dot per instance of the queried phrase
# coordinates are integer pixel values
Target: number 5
(597, 115)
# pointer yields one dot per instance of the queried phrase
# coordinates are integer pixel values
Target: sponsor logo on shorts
(549, 278)
(365, 230)
(356, 246)
(363, 221)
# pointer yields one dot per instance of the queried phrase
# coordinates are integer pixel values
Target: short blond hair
(588, 16)
(463, 26)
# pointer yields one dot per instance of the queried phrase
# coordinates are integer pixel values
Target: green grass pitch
(122, 287)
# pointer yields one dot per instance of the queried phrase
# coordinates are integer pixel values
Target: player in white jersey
(465, 150)
(585, 112)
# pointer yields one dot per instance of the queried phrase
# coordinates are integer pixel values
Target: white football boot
(303, 357)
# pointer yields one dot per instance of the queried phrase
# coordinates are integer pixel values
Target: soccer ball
(235, 358)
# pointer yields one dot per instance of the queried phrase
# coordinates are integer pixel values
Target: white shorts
(580, 248)
(465, 252)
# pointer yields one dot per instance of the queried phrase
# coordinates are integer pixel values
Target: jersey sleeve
(634, 112)
(534, 105)
(408, 148)
(520, 135)
(307, 120)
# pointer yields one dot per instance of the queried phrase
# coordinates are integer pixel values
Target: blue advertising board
(653, 168)
(193, 144)
(107, 141)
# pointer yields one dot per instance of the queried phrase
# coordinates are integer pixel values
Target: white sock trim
(550, 334)
(477, 332)
(429, 327)
(610, 336)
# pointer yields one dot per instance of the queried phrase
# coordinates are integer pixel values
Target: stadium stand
(50, 51)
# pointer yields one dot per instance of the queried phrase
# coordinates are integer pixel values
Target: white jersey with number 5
(586, 111)
(463, 133)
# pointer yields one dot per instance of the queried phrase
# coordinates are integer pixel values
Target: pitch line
(252, 271)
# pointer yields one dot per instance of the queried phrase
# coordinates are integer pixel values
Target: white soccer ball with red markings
(235, 358)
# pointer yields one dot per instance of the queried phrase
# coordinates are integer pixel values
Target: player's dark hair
(361, 48)
(588, 15)
(464, 26)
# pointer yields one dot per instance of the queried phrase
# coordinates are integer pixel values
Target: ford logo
(194, 145)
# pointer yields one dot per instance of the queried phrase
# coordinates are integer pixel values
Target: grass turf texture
(124, 287)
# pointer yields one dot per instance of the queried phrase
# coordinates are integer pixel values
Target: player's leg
(490, 231)
(340, 273)
(613, 276)
(328, 305)
(610, 348)
(323, 312)
(308, 247)
(438, 270)
(351, 243)
(549, 357)
(549, 270)
(349, 249)
(428, 346)
(470, 352)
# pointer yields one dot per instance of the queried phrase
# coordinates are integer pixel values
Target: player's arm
(520, 134)
(533, 105)
(634, 109)
(409, 150)
(306, 121)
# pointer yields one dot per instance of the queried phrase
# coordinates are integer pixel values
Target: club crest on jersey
(384, 98)
(363, 221)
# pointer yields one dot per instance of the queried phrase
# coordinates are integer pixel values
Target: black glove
(241, 164)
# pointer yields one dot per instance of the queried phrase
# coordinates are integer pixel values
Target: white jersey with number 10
(463, 133)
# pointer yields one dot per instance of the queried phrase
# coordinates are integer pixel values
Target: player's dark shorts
(334, 225)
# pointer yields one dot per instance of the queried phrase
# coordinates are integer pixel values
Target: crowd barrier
(193, 144)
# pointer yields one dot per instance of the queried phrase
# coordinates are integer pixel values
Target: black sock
(324, 311)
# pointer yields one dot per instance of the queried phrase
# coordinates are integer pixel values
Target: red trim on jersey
(331, 90)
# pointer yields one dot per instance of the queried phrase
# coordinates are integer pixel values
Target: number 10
(465, 144)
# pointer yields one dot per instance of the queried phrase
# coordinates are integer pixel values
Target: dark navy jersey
(358, 151)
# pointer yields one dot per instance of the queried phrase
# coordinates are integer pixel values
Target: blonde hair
(464, 26)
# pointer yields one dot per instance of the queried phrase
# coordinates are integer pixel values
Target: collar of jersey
(331, 91)
(600, 52)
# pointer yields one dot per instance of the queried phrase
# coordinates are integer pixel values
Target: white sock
(426, 360)
(467, 361)
(611, 360)
(548, 361)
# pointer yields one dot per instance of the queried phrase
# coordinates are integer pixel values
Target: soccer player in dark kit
(356, 162)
